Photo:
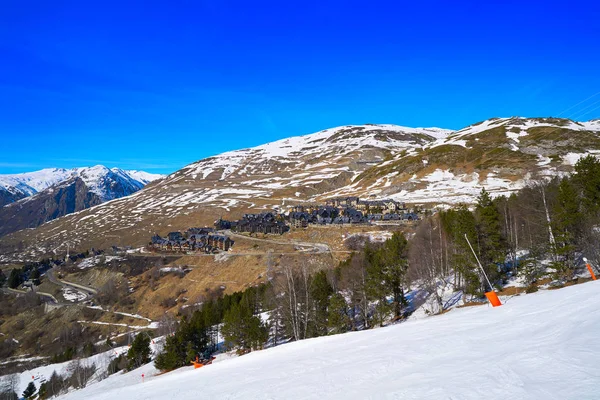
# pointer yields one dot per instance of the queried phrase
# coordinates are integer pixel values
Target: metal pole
(482, 270)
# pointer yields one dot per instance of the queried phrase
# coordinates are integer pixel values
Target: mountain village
(338, 211)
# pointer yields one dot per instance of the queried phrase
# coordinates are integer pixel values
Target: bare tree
(354, 282)
(9, 385)
(81, 372)
(426, 257)
(295, 302)
(552, 240)
(167, 325)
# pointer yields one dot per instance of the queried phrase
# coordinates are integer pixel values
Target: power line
(583, 101)
(593, 109)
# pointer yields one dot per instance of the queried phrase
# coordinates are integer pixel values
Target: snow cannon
(493, 298)
(589, 267)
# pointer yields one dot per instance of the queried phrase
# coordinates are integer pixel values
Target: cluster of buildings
(300, 218)
(266, 222)
(193, 240)
(386, 206)
(349, 210)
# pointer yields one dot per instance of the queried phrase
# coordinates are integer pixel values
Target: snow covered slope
(99, 178)
(538, 346)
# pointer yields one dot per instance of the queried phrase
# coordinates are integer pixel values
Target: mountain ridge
(42, 196)
(19, 186)
(429, 166)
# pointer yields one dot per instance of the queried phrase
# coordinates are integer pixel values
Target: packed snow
(73, 295)
(95, 260)
(541, 345)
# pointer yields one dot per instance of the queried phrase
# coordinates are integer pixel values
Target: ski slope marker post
(491, 295)
(142, 378)
(589, 267)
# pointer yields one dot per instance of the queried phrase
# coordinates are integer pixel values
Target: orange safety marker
(589, 267)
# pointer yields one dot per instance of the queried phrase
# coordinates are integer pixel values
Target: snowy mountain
(430, 166)
(539, 346)
(48, 194)
(99, 179)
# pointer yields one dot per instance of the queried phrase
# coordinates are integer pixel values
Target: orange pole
(589, 267)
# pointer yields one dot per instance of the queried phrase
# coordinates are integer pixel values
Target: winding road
(88, 291)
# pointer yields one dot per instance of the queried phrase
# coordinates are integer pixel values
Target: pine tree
(139, 353)
(386, 273)
(321, 290)
(14, 280)
(337, 314)
(395, 258)
(243, 330)
(587, 179)
(35, 276)
(492, 244)
(29, 391)
(566, 223)
(457, 223)
(376, 286)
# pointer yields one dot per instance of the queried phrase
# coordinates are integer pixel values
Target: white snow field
(538, 346)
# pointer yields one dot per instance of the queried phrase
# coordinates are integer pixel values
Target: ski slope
(538, 346)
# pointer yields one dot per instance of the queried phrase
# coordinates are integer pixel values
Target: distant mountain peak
(98, 178)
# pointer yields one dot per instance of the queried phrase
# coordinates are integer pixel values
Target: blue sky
(157, 85)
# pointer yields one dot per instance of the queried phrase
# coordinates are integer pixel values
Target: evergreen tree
(395, 259)
(29, 391)
(321, 290)
(458, 222)
(376, 286)
(243, 330)
(386, 272)
(587, 179)
(191, 339)
(337, 314)
(566, 224)
(139, 352)
(492, 244)
(35, 276)
(15, 279)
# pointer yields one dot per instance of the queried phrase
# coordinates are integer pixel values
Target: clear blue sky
(157, 85)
